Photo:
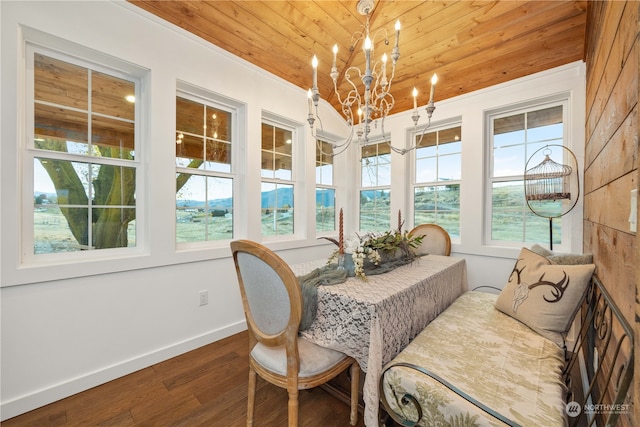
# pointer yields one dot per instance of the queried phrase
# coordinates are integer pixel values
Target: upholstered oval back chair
(436, 240)
(272, 301)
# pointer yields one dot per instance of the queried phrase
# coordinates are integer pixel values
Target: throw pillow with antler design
(543, 295)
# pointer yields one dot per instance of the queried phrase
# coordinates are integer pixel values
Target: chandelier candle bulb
(434, 80)
(415, 98)
(397, 32)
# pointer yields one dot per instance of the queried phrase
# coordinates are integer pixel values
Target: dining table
(373, 319)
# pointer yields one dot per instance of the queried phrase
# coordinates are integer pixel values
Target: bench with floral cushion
(502, 360)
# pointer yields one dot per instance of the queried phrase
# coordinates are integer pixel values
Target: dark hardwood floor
(205, 387)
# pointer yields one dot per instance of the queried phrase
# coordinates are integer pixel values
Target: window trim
(91, 60)
(561, 99)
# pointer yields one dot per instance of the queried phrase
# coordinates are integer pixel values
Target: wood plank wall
(611, 158)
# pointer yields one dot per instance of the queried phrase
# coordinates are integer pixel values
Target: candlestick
(335, 54)
(309, 95)
(367, 54)
(341, 234)
(314, 64)
(397, 31)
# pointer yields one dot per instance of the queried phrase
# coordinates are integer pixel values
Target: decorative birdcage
(548, 180)
(552, 189)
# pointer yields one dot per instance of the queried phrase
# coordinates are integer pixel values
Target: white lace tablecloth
(372, 321)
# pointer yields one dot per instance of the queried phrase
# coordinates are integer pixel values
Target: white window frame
(373, 188)
(562, 99)
(71, 53)
(297, 156)
(332, 186)
(414, 172)
(196, 94)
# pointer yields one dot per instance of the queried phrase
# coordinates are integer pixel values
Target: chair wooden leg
(355, 385)
(251, 396)
(293, 408)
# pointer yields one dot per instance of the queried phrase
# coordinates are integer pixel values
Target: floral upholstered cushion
(543, 295)
(489, 356)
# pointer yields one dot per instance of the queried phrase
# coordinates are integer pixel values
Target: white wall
(69, 328)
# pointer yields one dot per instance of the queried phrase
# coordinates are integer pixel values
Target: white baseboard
(31, 401)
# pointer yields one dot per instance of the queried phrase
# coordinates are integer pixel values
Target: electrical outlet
(204, 297)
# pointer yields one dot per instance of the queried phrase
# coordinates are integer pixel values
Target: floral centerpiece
(376, 249)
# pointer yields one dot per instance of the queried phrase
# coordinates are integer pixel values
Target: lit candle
(415, 98)
(397, 31)
(335, 54)
(341, 234)
(434, 80)
(314, 64)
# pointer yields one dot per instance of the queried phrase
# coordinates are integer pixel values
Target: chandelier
(371, 103)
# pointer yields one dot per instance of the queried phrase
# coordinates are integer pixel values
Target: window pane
(61, 125)
(79, 194)
(276, 152)
(449, 167)
(109, 96)
(189, 117)
(113, 138)
(218, 156)
(325, 209)
(426, 169)
(324, 163)
(508, 161)
(60, 82)
(508, 208)
(189, 151)
(204, 208)
(277, 209)
(52, 231)
(376, 165)
(375, 210)
(218, 124)
(438, 204)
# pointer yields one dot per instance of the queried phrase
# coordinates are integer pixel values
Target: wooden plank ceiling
(469, 44)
